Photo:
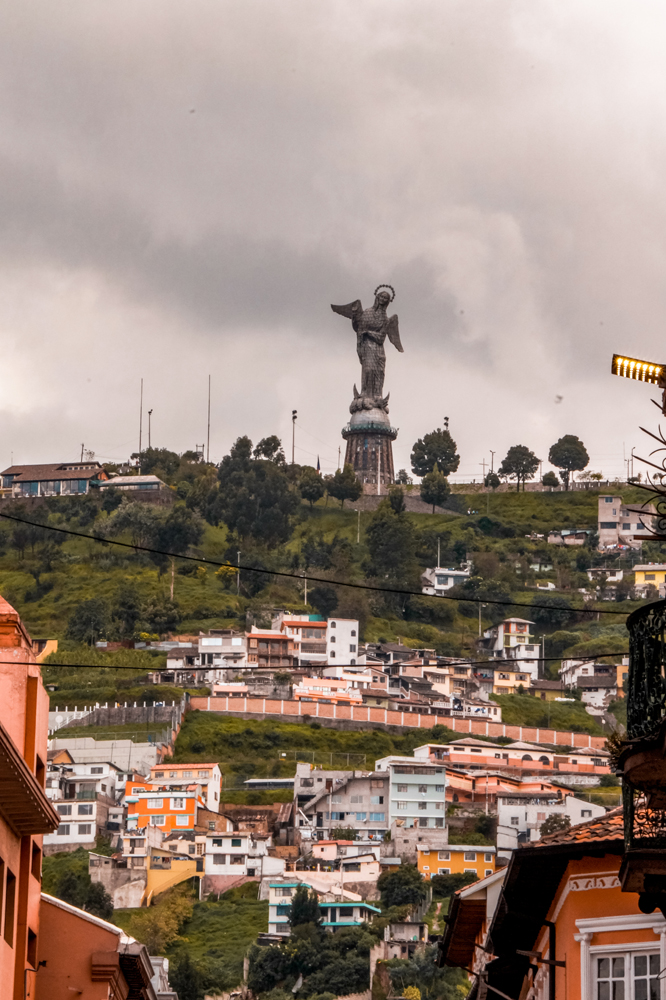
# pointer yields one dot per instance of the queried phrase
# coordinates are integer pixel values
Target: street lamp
(150, 413)
(294, 414)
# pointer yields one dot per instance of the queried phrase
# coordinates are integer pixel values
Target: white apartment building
(308, 633)
(339, 909)
(240, 854)
(207, 776)
(329, 800)
(416, 793)
(440, 579)
(521, 814)
(222, 648)
(617, 523)
(511, 640)
(342, 642)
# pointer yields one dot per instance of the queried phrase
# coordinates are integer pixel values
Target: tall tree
(344, 485)
(304, 908)
(520, 464)
(405, 885)
(437, 448)
(311, 485)
(435, 488)
(391, 542)
(570, 455)
(270, 449)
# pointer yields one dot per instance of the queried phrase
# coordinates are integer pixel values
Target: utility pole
(208, 435)
(379, 468)
(358, 528)
(483, 466)
(150, 413)
(294, 414)
(339, 455)
(140, 424)
(492, 461)
(438, 553)
(82, 452)
(238, 573)
(305, 591)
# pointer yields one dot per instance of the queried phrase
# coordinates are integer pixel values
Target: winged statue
(372, 326)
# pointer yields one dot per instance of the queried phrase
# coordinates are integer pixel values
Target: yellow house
(507, 681)
(456, 859)
(649, 573)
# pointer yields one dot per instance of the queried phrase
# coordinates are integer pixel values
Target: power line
(402, 592)
(500, 664)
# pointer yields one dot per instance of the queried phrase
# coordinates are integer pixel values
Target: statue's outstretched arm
(394, 334)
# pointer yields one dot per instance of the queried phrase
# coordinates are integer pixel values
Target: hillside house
(439, 579)
(510, 640)
(617, 523)
(59, 479)
(456, 859)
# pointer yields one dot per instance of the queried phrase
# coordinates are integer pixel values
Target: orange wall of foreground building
(25, 812)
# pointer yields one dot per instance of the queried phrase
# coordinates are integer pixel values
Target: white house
(342, 909)
(439, 579)
(511, 640)
(416, 793)
(84, 796)
(237, 854)
(342, 642)
(617, 523)
(222, 648)
(521, 814)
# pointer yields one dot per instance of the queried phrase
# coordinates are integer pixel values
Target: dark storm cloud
(186, 188)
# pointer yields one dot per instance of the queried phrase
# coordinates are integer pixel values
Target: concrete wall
(123, 753)
(351, 717)
(126, 886)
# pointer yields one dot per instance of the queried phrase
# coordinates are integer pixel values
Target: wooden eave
(23, 802)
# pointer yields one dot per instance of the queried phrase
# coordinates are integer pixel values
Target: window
(237, 859)
(586, 812)
(332, 638)
(439, 788)
(377, 800)
(332, 653)
(283, 891)
(609, 525)
(337, 798)
(177, 803)
(97, 770)
(182, 820)
(439, 805)
(10, 904)
(357, 798)
(470, 856)
(472, 871)
(211, 824)
(649, 576)
(63, 830)
(84, 829)
(204, 774)
(219, 859)
(157, 820)
(360, 817)
(217, 842)
(608, 499)
(187, 774)
(159, 774)
(423, 788)
(487, 857)
(401, 805)
(439, 821)
(65, 810)
(515, 820)
(443, 871)
(235, 841)
(339, 815)
(402, 788)
(426, 868)
(173, 774)
(352, 649)
(488, 872)
(423, 805)
(155, 803)
(423, 821)
(353, 631)
(376, 783)
(332, 626)
(627, 977)
(376, 817)
(85, 810)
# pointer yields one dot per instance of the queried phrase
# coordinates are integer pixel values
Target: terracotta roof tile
(608, 827)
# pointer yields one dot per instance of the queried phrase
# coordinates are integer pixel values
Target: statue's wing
(352, 312)
(394, 334)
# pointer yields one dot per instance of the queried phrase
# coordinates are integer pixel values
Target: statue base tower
(369, 438)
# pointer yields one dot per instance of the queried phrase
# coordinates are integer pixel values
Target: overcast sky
(185, 187)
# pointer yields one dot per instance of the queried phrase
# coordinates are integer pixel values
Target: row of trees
(569, 454)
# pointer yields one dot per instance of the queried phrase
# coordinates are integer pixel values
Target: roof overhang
(23, 802)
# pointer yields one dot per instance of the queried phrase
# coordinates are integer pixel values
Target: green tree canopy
(344, 485)
(446, 885)
(402, 478)
(520, 464)
(492, 481)
(554, 824)
(270, 449)
(405, 885)
(568, 454)
(550, 480)
(311, 485)
(89, 621)
(391, 543)
(304, 908)
(435, 488)
(437, 448)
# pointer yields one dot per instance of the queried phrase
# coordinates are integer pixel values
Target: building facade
(416, 792)
(456, 860)
(61, 479)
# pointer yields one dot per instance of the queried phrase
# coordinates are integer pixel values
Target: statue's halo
(390, 287)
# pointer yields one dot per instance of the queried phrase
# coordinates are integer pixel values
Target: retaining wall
(352, 717)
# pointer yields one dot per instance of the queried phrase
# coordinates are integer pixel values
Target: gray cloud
(185, 189)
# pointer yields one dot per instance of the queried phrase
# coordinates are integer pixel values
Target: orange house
(25, 811)
(169, 807)
(560, 914)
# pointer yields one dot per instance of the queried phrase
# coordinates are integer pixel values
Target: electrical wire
(400, 591)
